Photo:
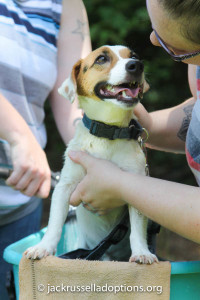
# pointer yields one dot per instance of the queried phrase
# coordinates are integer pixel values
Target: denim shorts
(11, 233)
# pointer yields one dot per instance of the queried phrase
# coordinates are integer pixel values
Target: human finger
(99, 212)
(26, 179)
(81, 158)
(32, 188)
(15, 176)
(75, 199)
(44, 189)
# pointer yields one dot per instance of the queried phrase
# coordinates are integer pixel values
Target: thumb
(81, 158)
(75, 198)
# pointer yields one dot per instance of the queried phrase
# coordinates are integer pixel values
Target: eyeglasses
(175, 57)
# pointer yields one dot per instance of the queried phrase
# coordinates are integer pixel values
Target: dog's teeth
(134, 84)
(109, 87)
(124, 94)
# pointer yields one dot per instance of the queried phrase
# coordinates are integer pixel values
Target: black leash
(113, 238)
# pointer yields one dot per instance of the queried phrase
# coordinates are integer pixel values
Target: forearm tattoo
(186, 121)
(81, 29)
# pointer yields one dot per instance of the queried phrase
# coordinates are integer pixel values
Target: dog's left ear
(146, 86)
(69, 86)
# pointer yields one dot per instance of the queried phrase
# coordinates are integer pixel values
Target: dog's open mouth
(126, 92)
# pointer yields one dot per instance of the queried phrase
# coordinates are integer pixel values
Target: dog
(109, 83)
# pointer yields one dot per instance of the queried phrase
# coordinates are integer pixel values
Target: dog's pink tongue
(129, 92)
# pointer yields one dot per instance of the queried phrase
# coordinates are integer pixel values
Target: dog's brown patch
(125, 53)
(88, 81)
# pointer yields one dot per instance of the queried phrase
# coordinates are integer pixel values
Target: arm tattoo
(81, 29)
(186, 121)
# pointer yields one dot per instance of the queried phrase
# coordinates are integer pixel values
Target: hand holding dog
(102, 191)
(143, 117)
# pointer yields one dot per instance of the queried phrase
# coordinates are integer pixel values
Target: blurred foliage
(126, 22)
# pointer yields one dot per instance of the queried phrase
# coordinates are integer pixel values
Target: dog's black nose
(135, 67)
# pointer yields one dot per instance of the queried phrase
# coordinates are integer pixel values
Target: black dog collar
(100, 129)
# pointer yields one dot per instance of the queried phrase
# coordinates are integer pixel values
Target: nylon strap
(110, 132)
(113, 238)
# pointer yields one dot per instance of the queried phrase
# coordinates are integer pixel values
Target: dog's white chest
(127, 154)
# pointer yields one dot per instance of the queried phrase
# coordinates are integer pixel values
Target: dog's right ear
(146, 86)
(68, 88)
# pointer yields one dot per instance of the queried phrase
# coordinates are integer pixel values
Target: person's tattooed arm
(81, 29)
(186, 121)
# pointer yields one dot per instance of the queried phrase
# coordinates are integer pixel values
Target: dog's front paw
(147, 258)
(39, 251)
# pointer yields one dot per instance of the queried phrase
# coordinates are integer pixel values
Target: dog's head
(110, 73)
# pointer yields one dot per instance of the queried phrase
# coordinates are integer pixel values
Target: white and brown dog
(109, 83)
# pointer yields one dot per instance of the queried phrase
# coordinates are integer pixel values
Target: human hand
(100, 188)
(31, 174)
(144, 118)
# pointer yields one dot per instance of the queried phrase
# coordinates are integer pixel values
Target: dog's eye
(101, 59)
(134, 55)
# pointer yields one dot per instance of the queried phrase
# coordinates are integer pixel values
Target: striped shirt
(28, 55)
(193, 136)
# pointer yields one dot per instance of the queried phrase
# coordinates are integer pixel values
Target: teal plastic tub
(13, 253)
(185, 280)
(185, 276)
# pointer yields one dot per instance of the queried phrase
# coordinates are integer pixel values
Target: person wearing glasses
(176, 27)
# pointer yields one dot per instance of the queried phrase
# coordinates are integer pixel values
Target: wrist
(122, 185)
(18, 136)
(25, 141)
